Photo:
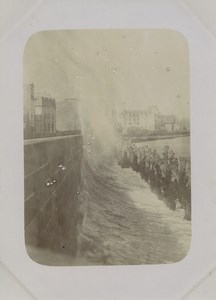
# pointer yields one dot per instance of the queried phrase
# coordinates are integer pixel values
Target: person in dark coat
(125, 160)
(135, 165)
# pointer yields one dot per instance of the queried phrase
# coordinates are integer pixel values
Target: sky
(111, 67)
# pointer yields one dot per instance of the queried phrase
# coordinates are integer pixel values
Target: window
(38, 110)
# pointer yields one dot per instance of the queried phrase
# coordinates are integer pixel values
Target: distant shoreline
(157, 137)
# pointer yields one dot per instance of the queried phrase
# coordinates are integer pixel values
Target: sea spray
(123, 221)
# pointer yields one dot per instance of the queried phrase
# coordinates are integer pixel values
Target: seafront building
(39, 113)
(169, 123)
(150, 120)
(29, 115)
(45, 116)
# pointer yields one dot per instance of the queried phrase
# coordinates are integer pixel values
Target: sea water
(123, 221)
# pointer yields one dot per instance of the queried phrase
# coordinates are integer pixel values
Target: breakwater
(52, 169)
(154, 137)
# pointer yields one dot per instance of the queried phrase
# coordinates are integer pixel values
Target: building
(29, 116)
(45, 116)
(169, 123)
(132, 118)
(149, 120)
(39, 114)
(152, 119)
(68, 119)
(185, 124)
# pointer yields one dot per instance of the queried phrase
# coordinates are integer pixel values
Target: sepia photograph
(107, 164)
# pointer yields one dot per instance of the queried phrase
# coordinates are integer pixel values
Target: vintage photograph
(107, 166)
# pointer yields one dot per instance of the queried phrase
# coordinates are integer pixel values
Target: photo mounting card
(107, 147)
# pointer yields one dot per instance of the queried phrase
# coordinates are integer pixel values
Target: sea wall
(52, 178)
(156, 137)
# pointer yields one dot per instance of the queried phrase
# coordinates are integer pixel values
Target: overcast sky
(138, 67)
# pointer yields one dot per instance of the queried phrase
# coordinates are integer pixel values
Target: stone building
(29, 116)
(132, 118)
(45, 116)
(149, 120)
(169, 123)
(152, 119)
(185, 124)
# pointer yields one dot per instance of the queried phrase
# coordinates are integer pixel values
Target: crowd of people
(169, 176)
